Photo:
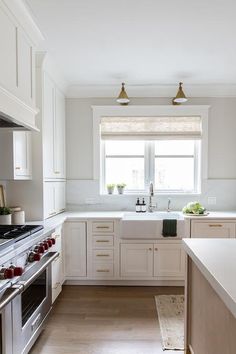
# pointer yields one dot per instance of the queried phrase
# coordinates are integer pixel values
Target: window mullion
(151, 161)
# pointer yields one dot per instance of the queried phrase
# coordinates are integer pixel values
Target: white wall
(221, 155)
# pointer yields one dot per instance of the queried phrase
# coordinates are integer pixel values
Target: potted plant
(120, 187)
(110, 188)
(5, 216)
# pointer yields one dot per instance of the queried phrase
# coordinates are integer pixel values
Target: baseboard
(125, 282)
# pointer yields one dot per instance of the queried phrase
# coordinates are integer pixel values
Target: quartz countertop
(216, 259)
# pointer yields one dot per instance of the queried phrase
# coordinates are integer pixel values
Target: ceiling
(143, 42)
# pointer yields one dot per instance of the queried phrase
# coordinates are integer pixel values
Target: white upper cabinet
(15, 155)
(17, 65)
(53, 130)
(8, 57)
(25, 68)
(22, 154)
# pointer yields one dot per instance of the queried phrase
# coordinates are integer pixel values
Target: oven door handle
(34, 272)
(9, 294)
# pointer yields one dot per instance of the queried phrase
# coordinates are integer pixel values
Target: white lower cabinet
(169, 260)
(75, 249)
(136, 260)
(165, 261)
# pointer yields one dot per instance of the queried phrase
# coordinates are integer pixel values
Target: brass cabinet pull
(215, 225)
(102, 241)
(102, 271)
(150, 249)
(102, 227)
(18, 168)
(102, 255)
(156, 249)
(57, 172)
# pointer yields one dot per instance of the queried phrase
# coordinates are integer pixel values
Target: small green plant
(121, 185)
(111, 185)
(5, 211)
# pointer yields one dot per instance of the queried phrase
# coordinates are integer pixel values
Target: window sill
(156, 194)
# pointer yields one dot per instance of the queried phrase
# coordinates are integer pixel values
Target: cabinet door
(25, 71)
(214, 229)
(169, 260)
(60, 196)
(75, 249)
(48, 127)
(136, 260)
(22, 155)
(49, 199)
(8, 76)
(59, 146)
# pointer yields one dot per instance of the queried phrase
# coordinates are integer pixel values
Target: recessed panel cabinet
(169, 260)
(75, 249)
(136, 260)
(15, 155)
(53, 130)
(165, 261)
(17, 60)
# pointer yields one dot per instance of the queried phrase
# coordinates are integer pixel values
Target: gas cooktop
(15, 233)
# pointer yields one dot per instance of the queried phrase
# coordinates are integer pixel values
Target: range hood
(15, 114)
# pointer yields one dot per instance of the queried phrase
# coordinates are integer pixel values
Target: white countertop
(216, 259)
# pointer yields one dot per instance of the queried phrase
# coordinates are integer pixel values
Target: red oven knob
(18, 271)
(53, 240)
(45, 244)
(37, 257)
(6, 273)
(49, 242)
(33, 256)
(39, 249)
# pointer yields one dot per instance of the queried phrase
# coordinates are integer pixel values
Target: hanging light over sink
(123, 98)
(180, 96)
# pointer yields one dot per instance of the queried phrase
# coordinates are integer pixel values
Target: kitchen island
(210, 318)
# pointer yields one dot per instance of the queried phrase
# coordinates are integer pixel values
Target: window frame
(147, 111)
(149, 168)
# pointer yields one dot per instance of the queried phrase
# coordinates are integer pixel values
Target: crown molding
(101, 91)
(19, 10)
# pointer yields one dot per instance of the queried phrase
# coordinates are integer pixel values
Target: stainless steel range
(25, 285)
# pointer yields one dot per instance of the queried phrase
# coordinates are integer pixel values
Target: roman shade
(151, 128)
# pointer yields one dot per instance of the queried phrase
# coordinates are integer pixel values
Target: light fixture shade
(123, 98)
(180, 97)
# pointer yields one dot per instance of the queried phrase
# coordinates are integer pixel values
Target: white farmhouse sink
(149, 225)
(157, 215)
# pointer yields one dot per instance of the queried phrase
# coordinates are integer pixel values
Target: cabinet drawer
(213, 229)
(103, 241)
(103, 270)
(102, 255)
(106, 226)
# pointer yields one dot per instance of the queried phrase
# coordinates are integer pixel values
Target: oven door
(32, 306)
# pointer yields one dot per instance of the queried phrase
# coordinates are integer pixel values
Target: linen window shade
(151, 128)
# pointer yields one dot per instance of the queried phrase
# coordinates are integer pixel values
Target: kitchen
(94, 170)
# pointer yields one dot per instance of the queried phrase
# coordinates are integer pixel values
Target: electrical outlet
(211, 200)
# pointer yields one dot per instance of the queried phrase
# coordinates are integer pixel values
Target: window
(163, 144)
(173, 165)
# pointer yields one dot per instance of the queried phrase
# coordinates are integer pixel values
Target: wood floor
(104, 320)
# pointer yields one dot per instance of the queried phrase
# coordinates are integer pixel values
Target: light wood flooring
(104, 320)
